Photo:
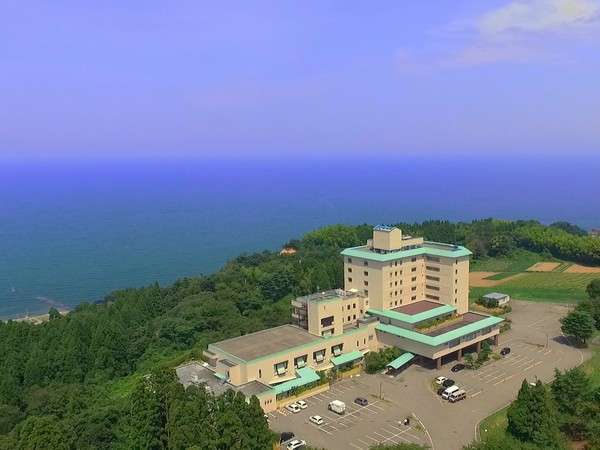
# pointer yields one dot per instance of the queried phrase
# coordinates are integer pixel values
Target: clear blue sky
(154, 78)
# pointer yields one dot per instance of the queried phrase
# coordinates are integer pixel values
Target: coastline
(37, 318)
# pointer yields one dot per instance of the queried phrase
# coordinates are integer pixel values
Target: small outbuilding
(496, 299)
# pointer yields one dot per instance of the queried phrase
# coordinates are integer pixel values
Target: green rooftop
(428, 248)
(415, 318)
(440, 339)
(401, 360)
(306, 375)
(346, 358)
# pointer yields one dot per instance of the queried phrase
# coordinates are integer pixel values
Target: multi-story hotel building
(395, 270)
(398, 291)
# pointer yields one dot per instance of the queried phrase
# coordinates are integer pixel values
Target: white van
(458, 395)
(337, 407)
(449, 391)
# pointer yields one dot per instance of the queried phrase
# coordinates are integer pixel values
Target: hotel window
(336, 350)
(327, 321)
(259, 373)
(413, 259)
(367, 293)
(432, 258)
(429, 277)
(364, 341)
(366, 283)
(414, 288)
(281, 368)
(414, 269)
(349, 260)
(348, 307)
(300, 361)
(396, 303)
(395, 263)
(433, 288)
(395, 283)
(414, 297)
(432, 297)
(456, 271)
(349, 279)
(353, 305)
(432, 268)
(366, 263)
(413, 279)
(350, 269)
(456, 291)
(396, 274)
(348, 318)
(353, 316)
(365, 273)
(370, 337)
(319, 355)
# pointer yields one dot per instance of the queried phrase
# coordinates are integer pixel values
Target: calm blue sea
(72, 232)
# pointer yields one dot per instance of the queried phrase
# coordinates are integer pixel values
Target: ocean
(74, 231)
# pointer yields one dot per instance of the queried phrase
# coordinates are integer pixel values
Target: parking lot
(360, 427)
(537, 347)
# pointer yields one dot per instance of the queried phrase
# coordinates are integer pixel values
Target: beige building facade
(393, 270)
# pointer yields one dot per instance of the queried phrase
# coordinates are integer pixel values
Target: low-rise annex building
(399, 291)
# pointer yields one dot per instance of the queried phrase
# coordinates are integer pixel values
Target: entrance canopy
(400, 361)
(305, 375)
(346, 358)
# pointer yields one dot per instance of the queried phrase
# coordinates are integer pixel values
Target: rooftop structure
(263, 343)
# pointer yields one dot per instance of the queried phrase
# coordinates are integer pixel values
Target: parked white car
(293, 408)
(302, 404)
(295, 444)
(440, 380)
(317, 420)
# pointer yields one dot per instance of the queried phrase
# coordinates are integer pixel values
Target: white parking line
(356, 446)
(503, 380)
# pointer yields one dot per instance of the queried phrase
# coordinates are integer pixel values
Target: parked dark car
(286, 436)
(505, 351)
(457, 367)
(441, 390)
(361, 401)
(447, 383)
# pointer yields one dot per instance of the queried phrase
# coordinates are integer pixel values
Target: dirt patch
(479, 279)
(576, 268)
(543, 267)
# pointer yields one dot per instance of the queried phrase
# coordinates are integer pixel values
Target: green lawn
(494, 425)
(518, 261)
(558, 287)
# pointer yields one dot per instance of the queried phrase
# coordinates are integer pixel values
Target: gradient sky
(132, 78)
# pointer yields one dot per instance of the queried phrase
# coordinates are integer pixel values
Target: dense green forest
(78, 382)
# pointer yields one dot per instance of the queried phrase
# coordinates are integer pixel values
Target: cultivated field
(490, 279)
(544, 267)
(576, 268)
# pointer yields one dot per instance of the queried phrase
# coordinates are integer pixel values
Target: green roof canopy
(415, 318)
(428, 248)
(346, 358)
(306, 375)
(401, 360)
(434, 341)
